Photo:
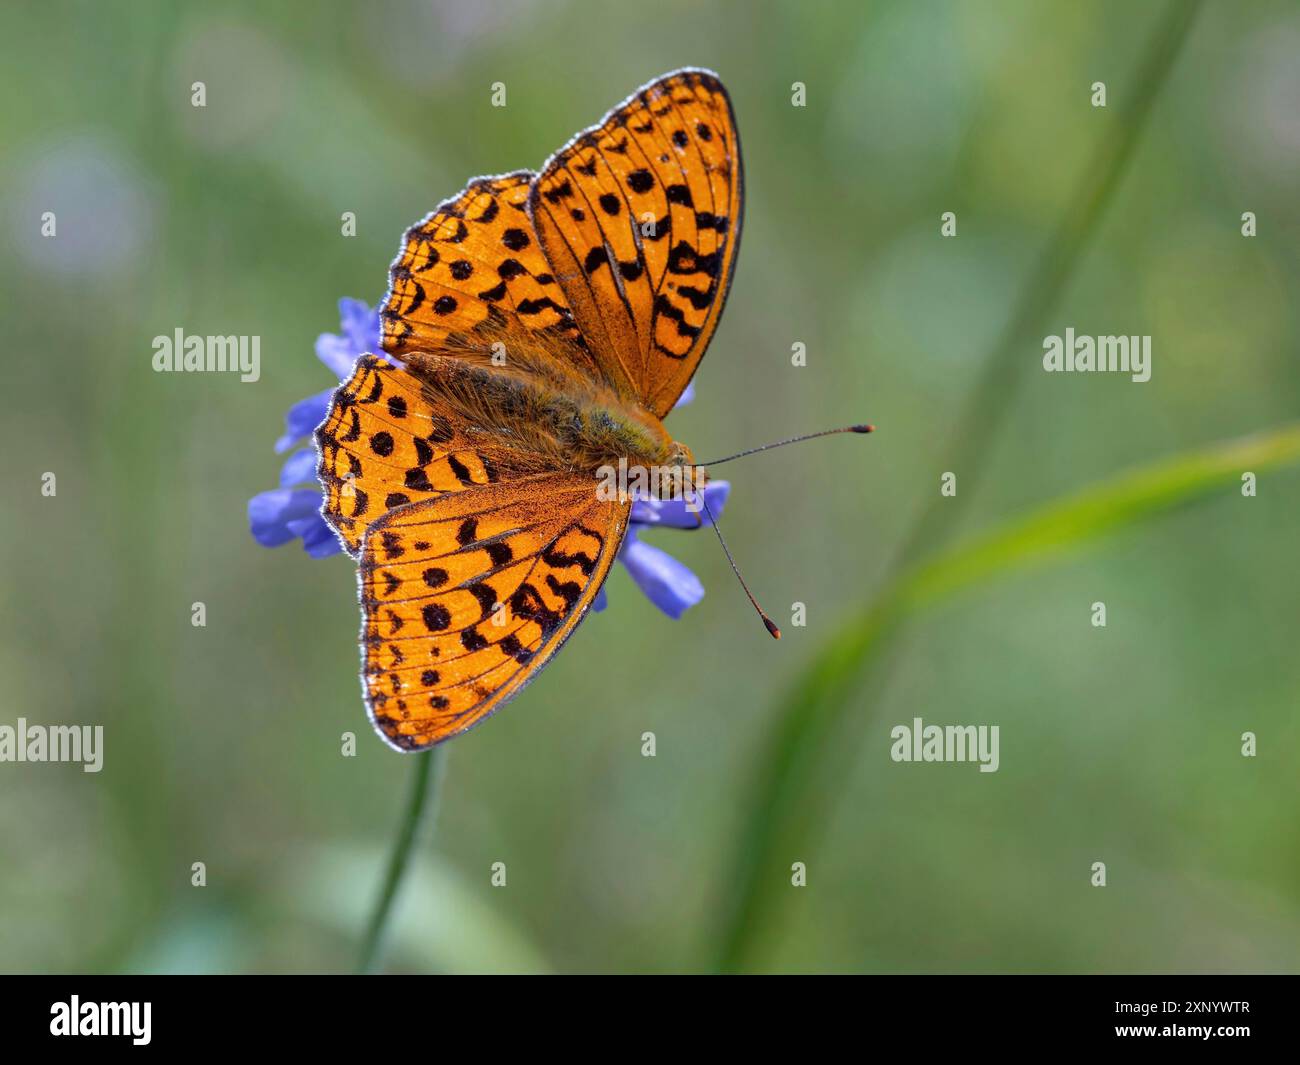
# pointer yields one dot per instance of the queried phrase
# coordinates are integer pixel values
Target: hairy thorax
(539, 415)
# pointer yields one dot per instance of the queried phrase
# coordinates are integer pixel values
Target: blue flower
(292, 511)
(667, 583)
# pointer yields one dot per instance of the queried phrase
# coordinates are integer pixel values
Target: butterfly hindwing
(466, 597)
(640, 217)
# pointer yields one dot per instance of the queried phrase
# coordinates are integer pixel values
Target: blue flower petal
(336, 352)
(668, 584)
(322, 544)
(318, 539)
(687, 396)
(360, 325)
(301, 469)
(601, 601)
(676, 514)
(302, 419)
(270, 514)
(284, 514)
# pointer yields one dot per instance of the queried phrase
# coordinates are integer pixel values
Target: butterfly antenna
(771, 625)
(792, 440)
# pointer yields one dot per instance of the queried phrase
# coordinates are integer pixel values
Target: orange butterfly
(545, 324)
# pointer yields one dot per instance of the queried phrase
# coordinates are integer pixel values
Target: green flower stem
(421, 807)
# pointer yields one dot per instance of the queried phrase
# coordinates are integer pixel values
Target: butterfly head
(681, 454)
(681, 478)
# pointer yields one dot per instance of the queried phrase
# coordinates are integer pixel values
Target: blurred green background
(222, 743)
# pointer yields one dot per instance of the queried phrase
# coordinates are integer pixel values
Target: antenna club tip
(771, 627)
(867, 428)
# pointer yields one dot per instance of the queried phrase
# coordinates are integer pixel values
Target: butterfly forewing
(640, 217)
(466, 596)
(473, 274)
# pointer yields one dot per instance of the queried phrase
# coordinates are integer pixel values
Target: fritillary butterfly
(540, 326)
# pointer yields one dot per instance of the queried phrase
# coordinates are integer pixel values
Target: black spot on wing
(596, 258)
(436, 617)
(516, 650)
(684, 328)
(459, 470)
(640, 181)
(562, 191)
(486, 596)
(392, 545)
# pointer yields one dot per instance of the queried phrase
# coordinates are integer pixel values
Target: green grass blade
(1124, 500)
(799, 750)
(808, 752)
